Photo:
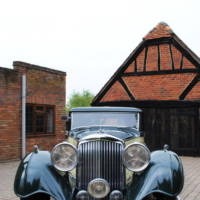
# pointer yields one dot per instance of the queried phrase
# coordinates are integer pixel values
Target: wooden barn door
(177, 127)
(184, 131)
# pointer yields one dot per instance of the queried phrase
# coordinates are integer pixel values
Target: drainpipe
(23, 115)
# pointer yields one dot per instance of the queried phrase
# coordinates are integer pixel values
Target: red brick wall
(45, 86)
(116, 92)
(10, 114)
(152, 62)
(159, 87)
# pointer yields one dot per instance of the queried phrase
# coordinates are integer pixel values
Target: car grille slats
(100, 159)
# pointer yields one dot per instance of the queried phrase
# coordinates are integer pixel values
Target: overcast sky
(88, 39)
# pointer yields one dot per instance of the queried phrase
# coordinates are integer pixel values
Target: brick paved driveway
(191, 189)
(7, 174)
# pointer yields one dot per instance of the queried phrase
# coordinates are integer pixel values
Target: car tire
(160, 197)
(39, 196)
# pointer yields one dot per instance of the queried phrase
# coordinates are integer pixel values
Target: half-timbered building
(161, 76)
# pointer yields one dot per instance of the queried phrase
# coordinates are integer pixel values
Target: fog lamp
(116, 195)
(98, 188)
(82, 195)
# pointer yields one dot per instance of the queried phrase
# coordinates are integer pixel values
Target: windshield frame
(138, 122)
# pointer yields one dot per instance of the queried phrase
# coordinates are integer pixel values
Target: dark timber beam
(172, 60)
(157, 41)
(135, 65)
(186, 53)
(158, 53)
(189, 87)
(151, 103)
(175, 71)
(126, 89)
(181, 62)
(145, 59)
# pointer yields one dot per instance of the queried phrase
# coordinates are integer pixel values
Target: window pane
(39, 108)
(39, 119)
(29, 119)
(39, 123)
(50, 124)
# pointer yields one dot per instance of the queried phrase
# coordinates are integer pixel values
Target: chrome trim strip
(102, 136)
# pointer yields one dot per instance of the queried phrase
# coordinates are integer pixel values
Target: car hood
(122, 133)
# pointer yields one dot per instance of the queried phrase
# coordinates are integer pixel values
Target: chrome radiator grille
(100, 159)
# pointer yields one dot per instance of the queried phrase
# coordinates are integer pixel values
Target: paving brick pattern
(7, 174)
(191, 189)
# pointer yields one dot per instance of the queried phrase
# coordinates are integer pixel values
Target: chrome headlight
(64, 156)
(136, 157)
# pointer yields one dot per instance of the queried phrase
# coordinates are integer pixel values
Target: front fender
(164, 175)
(37, 175)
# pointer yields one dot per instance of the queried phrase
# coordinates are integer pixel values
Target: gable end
(156, 56)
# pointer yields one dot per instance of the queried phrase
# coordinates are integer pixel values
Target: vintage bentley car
(103, 157)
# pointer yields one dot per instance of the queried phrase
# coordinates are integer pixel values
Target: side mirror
(68, 121)
(64, 117)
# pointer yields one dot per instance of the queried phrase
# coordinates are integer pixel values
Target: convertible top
(105, 109)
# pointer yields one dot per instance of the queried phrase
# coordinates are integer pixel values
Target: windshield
(117, 119)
